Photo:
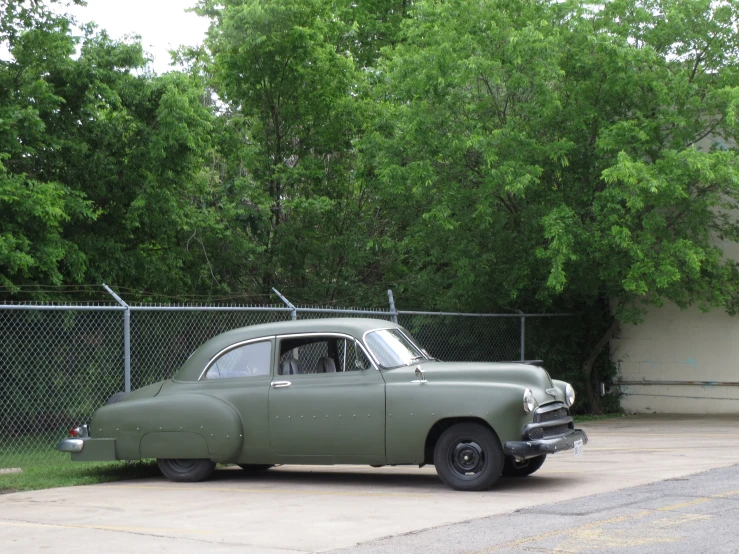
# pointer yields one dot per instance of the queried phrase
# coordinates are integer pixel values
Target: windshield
(392, 348)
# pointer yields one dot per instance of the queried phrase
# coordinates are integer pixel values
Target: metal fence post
(523, 336)
(393, 311)
(126, 339)
(294, 312)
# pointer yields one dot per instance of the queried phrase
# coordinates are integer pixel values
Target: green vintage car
(335, 391)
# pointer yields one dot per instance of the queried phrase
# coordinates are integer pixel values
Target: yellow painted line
(644, 449)
(594, 524)
(681, 435)
(279, 491)
(144, 530)
(725, 494)
(683, 505)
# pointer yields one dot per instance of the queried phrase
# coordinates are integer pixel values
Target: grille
(556, 430)
(543, 417)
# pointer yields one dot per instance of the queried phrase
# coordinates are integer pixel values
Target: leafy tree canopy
(570, 155)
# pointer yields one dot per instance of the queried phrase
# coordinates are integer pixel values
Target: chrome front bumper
(522, 450)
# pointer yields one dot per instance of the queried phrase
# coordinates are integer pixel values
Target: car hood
(525, 375)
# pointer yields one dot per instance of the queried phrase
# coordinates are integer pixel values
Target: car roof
(357, 327)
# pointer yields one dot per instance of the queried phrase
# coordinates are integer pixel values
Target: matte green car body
(374, 416)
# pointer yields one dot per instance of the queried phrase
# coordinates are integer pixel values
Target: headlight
(529, 402)
(569, 395)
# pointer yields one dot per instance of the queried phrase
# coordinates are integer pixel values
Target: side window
(331, 354)
(352, 356)
(249, 360)
(309, 355)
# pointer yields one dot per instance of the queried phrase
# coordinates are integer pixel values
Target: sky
(162, 24)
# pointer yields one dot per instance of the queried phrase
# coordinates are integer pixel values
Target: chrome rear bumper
(70, 445)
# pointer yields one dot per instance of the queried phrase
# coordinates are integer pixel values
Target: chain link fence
(60, 363)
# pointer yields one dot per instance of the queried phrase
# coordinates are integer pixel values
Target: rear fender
(181, 426)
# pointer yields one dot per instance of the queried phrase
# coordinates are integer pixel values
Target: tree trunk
(587, 367)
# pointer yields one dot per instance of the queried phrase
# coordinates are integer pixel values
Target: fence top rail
(413, 312)
(64, 307)
(140, 308)
(342, 311)
(204, 308)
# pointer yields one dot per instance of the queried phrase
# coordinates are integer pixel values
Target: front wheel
(468, 457)
(512, 468)
(186, 470)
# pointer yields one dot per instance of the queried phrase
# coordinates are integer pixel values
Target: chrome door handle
(280, 384)
(420, 376)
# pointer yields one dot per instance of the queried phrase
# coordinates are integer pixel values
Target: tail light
(79, 432)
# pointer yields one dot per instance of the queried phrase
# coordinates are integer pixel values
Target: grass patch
(69, 474)
(599, 417)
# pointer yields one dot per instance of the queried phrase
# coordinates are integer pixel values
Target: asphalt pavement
(694, 514)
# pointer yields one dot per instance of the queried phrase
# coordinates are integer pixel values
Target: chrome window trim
(333, 334)
(400, 330)
(232, 347)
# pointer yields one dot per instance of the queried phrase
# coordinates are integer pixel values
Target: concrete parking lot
(294, 509)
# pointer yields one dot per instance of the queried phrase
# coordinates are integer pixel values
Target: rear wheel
(186, 470)
(255, 468)
(512, 468)
(468, 457)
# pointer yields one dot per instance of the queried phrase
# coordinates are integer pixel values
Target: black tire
(512, 468)
(186, 470)
(468, 457)
(115, 398)
(255, 468)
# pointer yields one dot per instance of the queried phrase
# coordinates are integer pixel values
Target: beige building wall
(679, 346)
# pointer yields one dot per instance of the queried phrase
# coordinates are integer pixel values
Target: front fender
(182, 426)
(560, 386)
(413, 409)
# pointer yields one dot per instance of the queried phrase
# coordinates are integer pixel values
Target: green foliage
(490, 155)
(35, 206)
(295, 109)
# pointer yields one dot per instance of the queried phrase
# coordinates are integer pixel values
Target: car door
(324, 414)
(241, 375)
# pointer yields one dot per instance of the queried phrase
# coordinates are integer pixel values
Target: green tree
(102, 175)
(553, 155)
(292, 94)
(36, 207)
